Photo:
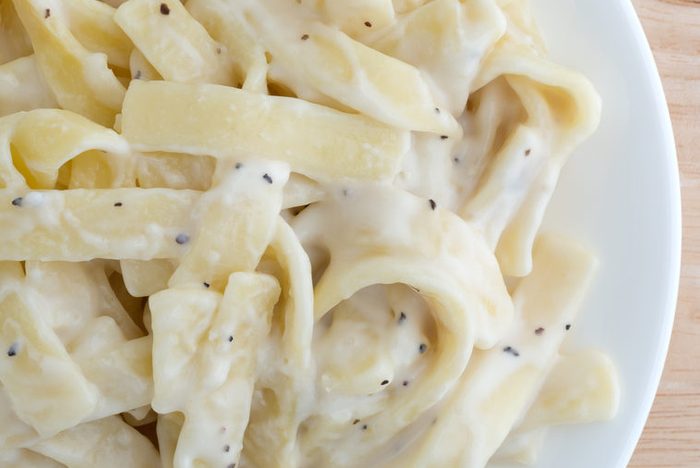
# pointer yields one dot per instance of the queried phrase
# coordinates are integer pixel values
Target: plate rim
(675, 231)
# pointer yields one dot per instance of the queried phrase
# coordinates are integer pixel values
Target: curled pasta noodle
(442, 265)
(490, 397)
(559, 109)
(32, 148)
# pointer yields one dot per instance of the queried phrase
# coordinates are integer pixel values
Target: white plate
(620, 195)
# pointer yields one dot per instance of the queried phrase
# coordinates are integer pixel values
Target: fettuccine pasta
(267, 233)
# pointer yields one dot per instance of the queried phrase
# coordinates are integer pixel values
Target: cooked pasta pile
(278, 233)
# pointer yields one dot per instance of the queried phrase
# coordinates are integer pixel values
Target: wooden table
(672, 434)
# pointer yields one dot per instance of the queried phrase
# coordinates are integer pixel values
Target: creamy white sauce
(356, 393)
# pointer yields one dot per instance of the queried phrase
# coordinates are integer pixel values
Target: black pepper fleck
(118, 204)
(567, 327)
(527, 152)
(368, 24)
(385, 382)
(364, 427)
(267, 178)
(433, 205)
(218, 50)
(355, 421)
(402, 317)
(239, 165)
(206, 285)
(405, 383)
(422, 348)
(17, 201)
(230, 339)
(539, 331)
(444, 137)
(511, 350)
(232, 465)
(137, 75)
(437, 110)
(456, 160)
(164, 9)
(227, 448)
(304, 37)
(47, 13)
(182, 238)
(13, 350)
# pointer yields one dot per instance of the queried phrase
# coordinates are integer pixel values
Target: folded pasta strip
(80, 80)
(558, 110)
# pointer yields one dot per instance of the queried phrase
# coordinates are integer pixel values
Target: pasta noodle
(14, 41)
(177, 46)
(318, 142)
(263, 233)
(80, 80)
(22, 87)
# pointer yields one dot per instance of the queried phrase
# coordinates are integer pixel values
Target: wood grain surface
(672, 434)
